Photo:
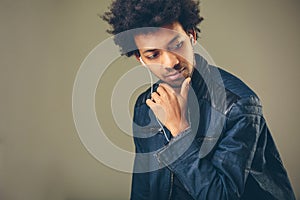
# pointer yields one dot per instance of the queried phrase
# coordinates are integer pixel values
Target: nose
(169, 60)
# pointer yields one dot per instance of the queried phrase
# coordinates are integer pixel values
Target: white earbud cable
(151, 90)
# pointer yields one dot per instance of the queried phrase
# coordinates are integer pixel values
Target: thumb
(185, 87)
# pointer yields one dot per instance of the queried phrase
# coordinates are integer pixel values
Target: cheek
(187, 54)
(156, 70)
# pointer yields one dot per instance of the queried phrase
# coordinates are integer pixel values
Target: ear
(193, 35)
(137, 56)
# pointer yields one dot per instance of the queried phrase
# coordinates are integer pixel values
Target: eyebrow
(174, 39)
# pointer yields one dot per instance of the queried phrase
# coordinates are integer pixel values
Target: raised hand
(171, 107)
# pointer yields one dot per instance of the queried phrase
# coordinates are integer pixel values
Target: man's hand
(171, 107)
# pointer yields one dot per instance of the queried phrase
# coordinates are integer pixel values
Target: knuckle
(159, 89)
(154, 94)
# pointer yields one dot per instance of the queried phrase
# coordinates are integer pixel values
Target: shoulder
(235, 85)
(213, 75)
(225, 90)
(246, 101)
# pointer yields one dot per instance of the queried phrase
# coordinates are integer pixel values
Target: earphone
(151, 91)
(141, 60)
(192, 39)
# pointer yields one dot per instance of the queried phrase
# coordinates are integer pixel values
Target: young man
(199, 132)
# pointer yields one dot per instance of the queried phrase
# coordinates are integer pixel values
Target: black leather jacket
(227, 153)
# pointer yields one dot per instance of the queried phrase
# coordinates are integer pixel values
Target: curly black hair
(124, 15)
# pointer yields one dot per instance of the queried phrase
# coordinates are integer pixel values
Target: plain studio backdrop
(44, 42)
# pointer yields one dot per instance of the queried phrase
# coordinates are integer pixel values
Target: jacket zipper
(171, 185)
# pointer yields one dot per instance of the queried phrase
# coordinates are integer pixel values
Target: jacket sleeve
(221, 174)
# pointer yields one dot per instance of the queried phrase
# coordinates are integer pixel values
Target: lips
(176, 75)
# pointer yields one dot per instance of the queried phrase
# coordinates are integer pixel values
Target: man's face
(168, 53)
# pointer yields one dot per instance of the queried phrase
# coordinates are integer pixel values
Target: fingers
(165, 91)
(162, 92)
(150, 103)
(169, 106)
(155, 97)
(158, 110)
(161, 95)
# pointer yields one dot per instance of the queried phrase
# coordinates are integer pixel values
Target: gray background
(42, 46)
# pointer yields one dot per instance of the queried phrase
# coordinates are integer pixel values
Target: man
(199, 132)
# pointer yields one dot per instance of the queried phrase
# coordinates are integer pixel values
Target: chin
(176, 83)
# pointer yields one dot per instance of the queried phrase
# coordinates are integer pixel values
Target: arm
(222, 174)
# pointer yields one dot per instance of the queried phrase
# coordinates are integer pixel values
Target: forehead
(158, 38)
